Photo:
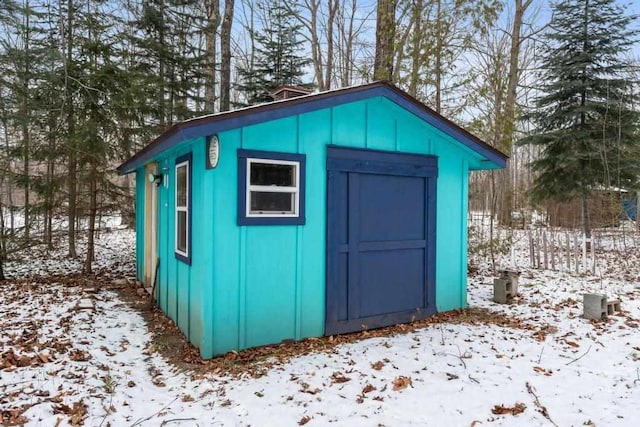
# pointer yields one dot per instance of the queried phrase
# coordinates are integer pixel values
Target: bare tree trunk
(9, 186)
(213, 17)
(385, 37)
(1, 254)
(347, 32)
(492, 212)
(316, 51)
(638, 211)
(3, 244)
(93, 194)
(399, 54)
(438, 57)
(514, 75)
(225, 42)
(333, 9)
(162, 73)
(48, 237)
(72, 166)
(25, 113)
(508, 123)
(417, 48)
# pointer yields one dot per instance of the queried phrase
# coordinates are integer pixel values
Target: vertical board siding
(268, 254)
(198, 280)
(278, 135)
(253, 285)
(140, 216)
(225, 321)
(464, 199)
(314, 135)
(205, 257)
(450, 279)
(163, 249)
(381, 125)
(270, 260)
(348, 125)
(169, 243)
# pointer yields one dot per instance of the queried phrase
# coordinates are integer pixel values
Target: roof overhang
(220, 122)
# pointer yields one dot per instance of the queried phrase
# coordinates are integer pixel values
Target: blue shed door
(380, 238)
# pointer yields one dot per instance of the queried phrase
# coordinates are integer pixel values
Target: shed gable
(220, 122)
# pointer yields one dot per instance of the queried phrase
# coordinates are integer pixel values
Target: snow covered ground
(72, 356)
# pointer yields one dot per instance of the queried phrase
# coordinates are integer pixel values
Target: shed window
(183, 208)
(271, 189)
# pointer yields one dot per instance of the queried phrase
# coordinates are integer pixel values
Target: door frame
(150, 226)
(365, 161)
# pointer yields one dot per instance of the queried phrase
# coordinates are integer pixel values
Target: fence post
(512, 254)
(532, 251)
(552, 250)
(584, 252)
(539, 247)
(577, 253)
(593, 253)
(544, 245)
(568, 251)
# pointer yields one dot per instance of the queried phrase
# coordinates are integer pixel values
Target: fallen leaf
(337, 377)
(304, 420)
(401, 382)
(516, 409)
(79, 355)
(368, 389)
(378, 365)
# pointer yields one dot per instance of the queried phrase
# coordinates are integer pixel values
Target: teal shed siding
(253, 285)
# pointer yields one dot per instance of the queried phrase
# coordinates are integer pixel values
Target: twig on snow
(176, 420)
(473, 379)
(15, 384)
(540, 356)
(108, 411)
(141, 420)
(460, 357)
(575, 360)
(637, 375)
(542, 409)
(442, 333)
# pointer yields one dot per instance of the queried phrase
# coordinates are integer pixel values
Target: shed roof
(219, 122)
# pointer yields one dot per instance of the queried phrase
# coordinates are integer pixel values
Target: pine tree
(585, 124)
(168, 64)
(279, 60)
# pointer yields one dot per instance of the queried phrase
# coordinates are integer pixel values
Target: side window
(183, 208)
(270, 188)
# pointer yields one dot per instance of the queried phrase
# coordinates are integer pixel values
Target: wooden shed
(605, 209)
(316, 215)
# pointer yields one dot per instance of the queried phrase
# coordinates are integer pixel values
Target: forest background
(84, 84)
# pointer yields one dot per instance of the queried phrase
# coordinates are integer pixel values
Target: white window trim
(182, 209)
(295, 190)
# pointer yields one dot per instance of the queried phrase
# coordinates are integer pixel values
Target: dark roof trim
(220, 122)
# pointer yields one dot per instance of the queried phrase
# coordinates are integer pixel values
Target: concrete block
(502, 291)
(85, 304)
(512, 276)
(595, 306)
(613, 306)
